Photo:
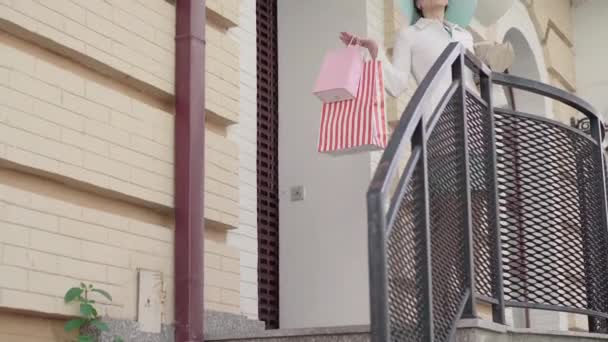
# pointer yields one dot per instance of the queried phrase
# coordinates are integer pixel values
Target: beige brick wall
(133, 37)
(227, 281)
(223, 99)
(62, 237)
(86, 123)
(53, 237)
(20, 328)
(221, 180)
(244, 238)
(132, 40)
(223, 66)
(224, 12)
(65, 120)
(222, 278)
(222, 74)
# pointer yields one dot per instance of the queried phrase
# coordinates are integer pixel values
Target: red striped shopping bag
(359, 124)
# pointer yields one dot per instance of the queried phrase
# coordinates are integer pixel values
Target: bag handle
(363, 52)
(351, 41)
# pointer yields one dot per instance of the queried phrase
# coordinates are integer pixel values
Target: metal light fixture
(581, 124)
(584, 125)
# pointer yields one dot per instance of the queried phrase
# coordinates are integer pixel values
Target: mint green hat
(460, 12)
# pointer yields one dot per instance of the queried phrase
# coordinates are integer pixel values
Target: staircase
(493, 207)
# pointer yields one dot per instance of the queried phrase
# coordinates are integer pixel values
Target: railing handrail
(414, 129)
(547, 90)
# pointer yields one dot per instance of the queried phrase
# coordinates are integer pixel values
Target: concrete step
(468, 331)
(337, 334)
(484, 331)
(222, 324)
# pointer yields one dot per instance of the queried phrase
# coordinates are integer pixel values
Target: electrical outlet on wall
(297, 193)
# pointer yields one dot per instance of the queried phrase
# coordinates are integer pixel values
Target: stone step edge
(307, 332)
(478, 324)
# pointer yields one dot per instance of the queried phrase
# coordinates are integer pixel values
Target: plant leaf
(103, 293)
(86, 310)
(85, 338)
(72, 294)
(118, 339)
(100, 325)
(83, 285)
(74, 324)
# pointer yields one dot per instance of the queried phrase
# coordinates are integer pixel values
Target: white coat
(416, 49)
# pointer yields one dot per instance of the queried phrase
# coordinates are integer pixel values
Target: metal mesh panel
(601, 324)
(446, 167)
(406, 242)
(482, 195)
(594, 239)
(267, 163)
(553, 240)
(406, 261)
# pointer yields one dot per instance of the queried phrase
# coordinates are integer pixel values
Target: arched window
(517, 28)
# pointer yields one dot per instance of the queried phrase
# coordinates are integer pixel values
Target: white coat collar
(423, 23)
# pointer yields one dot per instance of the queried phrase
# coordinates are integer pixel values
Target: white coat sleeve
(397, 72)
(468, 43)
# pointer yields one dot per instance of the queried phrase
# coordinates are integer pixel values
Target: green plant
(89, 317)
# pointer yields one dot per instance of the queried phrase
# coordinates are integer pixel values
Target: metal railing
(491, 206)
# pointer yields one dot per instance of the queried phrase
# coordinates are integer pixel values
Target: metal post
(470, 310)
(498, 310)
(419, 139)
(378, 278)
(597, 135)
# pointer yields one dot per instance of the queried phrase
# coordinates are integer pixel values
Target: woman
(417, 47)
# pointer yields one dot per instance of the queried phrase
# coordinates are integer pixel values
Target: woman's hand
(369, 44)
(349, 38)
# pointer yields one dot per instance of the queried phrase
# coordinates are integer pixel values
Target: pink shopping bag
(340, 73)
(359, 124)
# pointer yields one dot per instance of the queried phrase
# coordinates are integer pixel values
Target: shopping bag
(340, 73)
(359, 124)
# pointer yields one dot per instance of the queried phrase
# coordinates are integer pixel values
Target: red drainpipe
(189, 168)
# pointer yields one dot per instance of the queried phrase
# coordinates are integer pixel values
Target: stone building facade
(87, 147)
(87, 151)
